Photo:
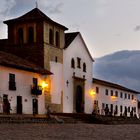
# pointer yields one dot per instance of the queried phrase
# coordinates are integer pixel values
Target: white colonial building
(116, 97)
(41, 65)
(21, 84)
(77, 70)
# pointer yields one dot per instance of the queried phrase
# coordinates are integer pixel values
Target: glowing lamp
(113, 97)
(44, 84)
(92, 93)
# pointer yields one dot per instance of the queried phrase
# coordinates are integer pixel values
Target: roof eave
(94, 80)
(43, 72)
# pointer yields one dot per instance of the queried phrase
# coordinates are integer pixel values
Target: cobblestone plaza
(81, 131)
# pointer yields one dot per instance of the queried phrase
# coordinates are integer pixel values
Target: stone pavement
(79, 131)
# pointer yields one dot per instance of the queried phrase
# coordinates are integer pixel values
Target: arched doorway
(79, 99)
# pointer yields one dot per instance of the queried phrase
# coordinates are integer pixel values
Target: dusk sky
(106, 25)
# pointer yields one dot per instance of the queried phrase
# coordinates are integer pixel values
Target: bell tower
(36, 37)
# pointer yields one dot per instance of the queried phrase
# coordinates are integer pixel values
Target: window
(11, 77)
(78, 62)
(96, 102)
(116, 93)
(125, 96)
(57, 39)
(56, 59)
(12, 83)
(106, 92)
(116, 110)
(96, 105)
(125, 108)
(111, 108)
(36, 90)
(129, 96)
(30, 35)
(121, 109)
(20, 35)
(106, 105)
(129, 109)
(134, 108)
(111, 93)
(121, 95)
(35, 82)
(132, 97)
(84, 67)
(97, 89)
(51, 37)
(72, 63)
(103, 105)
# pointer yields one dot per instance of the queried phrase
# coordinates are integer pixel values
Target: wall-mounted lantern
(44, 85)
(92, 93)
(113, 97)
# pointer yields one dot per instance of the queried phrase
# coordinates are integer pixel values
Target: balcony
(36, 90)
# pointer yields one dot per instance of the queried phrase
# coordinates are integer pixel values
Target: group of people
(108, 112)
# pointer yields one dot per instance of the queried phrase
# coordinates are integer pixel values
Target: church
(41, 66)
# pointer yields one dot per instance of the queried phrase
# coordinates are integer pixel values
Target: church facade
(44, 66)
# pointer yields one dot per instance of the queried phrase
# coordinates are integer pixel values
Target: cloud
(5, 7)
(75, 27)
(54, 9)
(5, 13)
(121, 67)
(51, 6)
(137, 28)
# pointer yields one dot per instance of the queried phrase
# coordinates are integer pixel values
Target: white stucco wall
(56, 82)
(103, 98)
(76, 49)
(23, 80)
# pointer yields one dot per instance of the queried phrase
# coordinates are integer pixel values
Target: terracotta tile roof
(10, 60)
(34, 14)
(113, 85)
(69, 37)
